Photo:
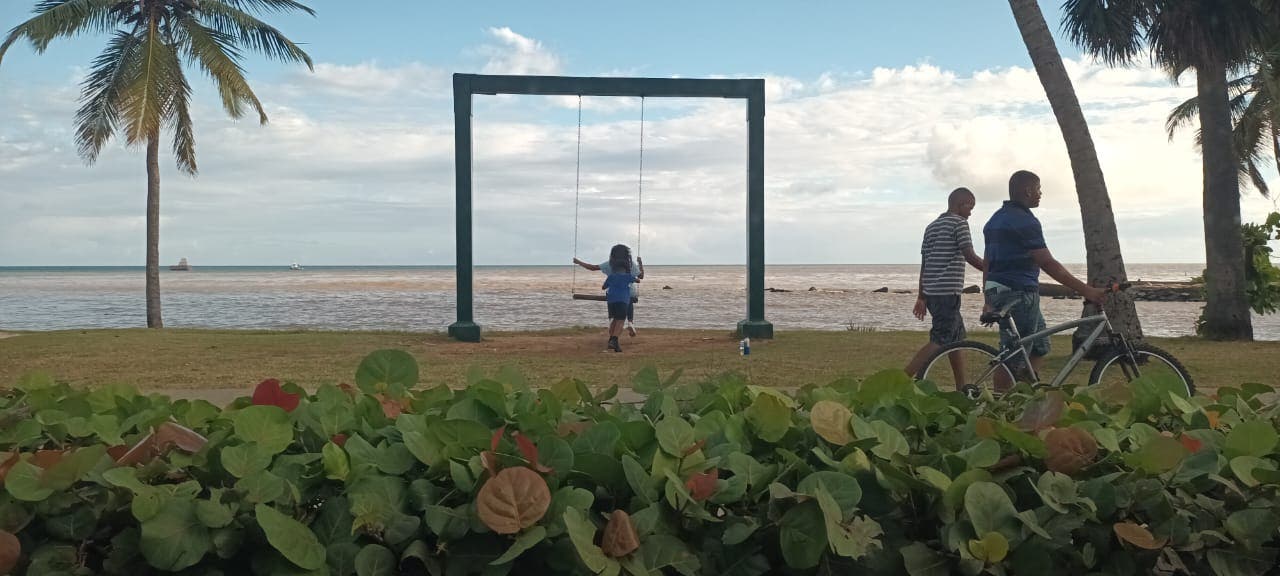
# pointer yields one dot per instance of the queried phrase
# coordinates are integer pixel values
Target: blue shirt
(606, 268)
(617, 287)
(1011, 234)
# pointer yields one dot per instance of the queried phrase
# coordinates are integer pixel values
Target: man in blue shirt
(1015, 254)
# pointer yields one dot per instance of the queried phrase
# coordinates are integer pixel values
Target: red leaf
(390, 406)
(702, 486)
(349, 389)
(497, 437)
(161, 439)
(339, 439)
(1190, 443)
(530, 452)
(115, 452)
(490, 462)
(269, 393)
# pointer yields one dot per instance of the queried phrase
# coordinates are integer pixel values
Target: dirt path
(4, 335)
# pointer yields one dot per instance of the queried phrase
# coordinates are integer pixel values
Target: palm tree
(1255, 111)
(1210, 37)
(1102, 244)
(137, 86)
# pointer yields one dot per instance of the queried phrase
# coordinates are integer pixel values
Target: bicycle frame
(1020, 347)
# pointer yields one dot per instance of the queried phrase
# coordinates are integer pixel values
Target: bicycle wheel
(1117, 369)
(965, 363)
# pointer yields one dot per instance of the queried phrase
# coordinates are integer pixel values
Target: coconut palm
(137, 87)
(1210, 37)
(1255, 113)
(1102, 244)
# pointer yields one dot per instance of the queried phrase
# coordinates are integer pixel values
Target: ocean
(421, 298)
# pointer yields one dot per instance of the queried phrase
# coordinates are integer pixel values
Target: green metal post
(755, 326)
(465, 329)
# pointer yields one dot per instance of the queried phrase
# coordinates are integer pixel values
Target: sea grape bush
(878, 476)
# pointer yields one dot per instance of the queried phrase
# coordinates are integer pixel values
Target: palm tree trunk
(1102, 244)
(153, 232)
(1226, 311)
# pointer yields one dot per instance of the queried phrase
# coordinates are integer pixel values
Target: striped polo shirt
(942, 255)
(1011, 234)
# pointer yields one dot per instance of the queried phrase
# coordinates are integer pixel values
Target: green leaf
(462, 438)
(983, 454)
(662, 551)
(375, 560)
(1252, 438)
(556, 454)
(602, 438)
(1244, 467)
(292, 539)
(1158, 455)
(336, 465)
(770, 417)
(843, 488)
(803, 535)
(642, 485)
(527, 540)
(989, 508)
(757, 475)
(884, 387)
(646, 381)
(174, 539)
(1253, 527)
(261, 486)
(991, 549)
(934, 477)
(268, 426)
(920, 560)
(891, 441)
(387, 371)
(213, 514)
(675, 435)
(245, 459)
(1240, 562)
(23, 482)
(583, 533)
(738, 531)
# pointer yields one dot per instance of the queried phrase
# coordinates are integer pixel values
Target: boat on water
(295, 266)
(181, 266)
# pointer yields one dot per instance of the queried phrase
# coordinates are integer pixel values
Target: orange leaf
(1213, 418)
(1069, 449)
(620, 537)
(1190, 443)
(702, 486)
(514, 499)
(390, 406)
(985, 428)
(10, 551)
(161, 439)
(1138, 536)
(269, 393)
(47, 459)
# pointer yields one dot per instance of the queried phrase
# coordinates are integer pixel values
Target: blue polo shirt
(1011, 234)
(618, 287)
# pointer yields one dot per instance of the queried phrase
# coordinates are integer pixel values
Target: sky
(875, 111)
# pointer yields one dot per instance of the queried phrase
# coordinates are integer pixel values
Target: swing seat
(599, 297)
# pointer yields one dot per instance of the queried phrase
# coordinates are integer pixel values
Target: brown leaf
(490, 462)
(514, 499)
(390, 406)
(1069, 450)
(1138, 536)
(1043, 412)
(1191, 443)
(702, 486)
(695, 447)
(10, 551)
(985, 428)
(163, 438)
(7, 460)
(47, 459)
(620, 537)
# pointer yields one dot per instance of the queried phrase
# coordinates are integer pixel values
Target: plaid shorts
(1026, 316)
(948, 324)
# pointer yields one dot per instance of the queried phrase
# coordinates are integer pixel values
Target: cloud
(356, 166)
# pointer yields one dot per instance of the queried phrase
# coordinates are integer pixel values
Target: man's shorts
(948, 324)
(1026, 316)
(618, 310)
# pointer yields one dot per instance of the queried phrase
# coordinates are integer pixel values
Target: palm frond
(149, 93)
(184, 140)
(1110, 29)
(99, 114)
(250, 32)
(65, 18)
(270, 6)
(1251, 137)
(1182, 115)
(217, 55)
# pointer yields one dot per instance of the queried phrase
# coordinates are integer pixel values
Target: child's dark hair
(620, 259)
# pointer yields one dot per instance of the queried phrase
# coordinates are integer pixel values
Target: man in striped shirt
(946, 247)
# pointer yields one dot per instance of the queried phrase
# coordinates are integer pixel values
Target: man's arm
(919, 309)
(972, 258)
(587, 265)
(1058, 272)
(640, 264)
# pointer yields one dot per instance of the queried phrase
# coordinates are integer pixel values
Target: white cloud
(357, 167)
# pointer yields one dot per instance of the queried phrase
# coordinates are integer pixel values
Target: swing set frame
(467, 85)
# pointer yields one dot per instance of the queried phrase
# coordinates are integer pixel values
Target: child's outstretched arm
(587, 265)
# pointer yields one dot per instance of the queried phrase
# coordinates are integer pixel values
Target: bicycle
(997, 370)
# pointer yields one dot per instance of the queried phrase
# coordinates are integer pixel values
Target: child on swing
(619, 252)
(617, 287)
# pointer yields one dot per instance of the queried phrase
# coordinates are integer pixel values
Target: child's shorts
(618, 310)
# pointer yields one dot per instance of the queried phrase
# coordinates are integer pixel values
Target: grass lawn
(219, 364)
